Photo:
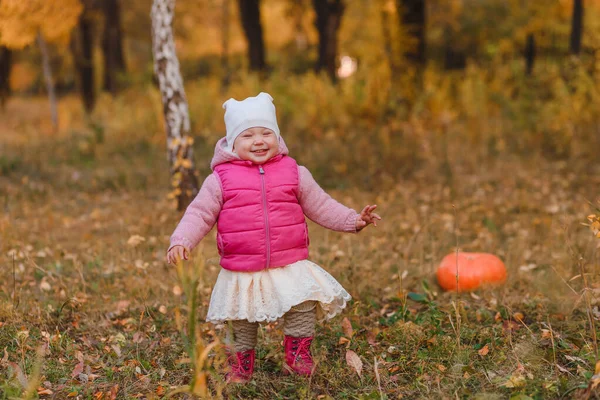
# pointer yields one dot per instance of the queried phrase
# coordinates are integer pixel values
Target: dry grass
(73, 199)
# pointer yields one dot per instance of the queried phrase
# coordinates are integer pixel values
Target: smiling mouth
(260, 151)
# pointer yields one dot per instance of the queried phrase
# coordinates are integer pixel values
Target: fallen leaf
(117, 349)
(77, 370)
(135, 240)
(353, 360)
(514, 381)
(42, 391)
(160, 390)
(518, 316)
(347, 327)
(441, 367)
(527, 267)
(484, 350)
(563, 369)
(45, 286)
(510, 326)
(371, 335)
(546, 334)
(73, 394)
(5, 358)
(21, 377)
(138, 337)
(113, 392)
(343, 340)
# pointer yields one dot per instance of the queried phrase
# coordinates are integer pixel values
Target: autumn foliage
(22, 20)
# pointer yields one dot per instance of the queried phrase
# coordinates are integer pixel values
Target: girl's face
(256, 144)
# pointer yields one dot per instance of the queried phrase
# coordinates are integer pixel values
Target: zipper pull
(261, 170)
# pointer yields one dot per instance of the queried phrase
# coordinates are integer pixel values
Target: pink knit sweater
(202, 214)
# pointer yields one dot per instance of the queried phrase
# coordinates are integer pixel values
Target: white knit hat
(249, 113)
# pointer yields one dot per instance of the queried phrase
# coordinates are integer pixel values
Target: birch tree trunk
(175, 108)
(48, 79)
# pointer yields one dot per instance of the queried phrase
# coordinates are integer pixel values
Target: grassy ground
(90, 310)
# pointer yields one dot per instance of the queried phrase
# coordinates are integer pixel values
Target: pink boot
(242, 366)
(297, 355)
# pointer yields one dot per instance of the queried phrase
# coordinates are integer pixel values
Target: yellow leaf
(518, 316)
(347, 327)
(177, 290)
(514, 381)
(187, 164)
(135, 240)
(484, 350)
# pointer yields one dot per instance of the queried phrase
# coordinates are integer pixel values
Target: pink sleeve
(200, 216)
(321, 207)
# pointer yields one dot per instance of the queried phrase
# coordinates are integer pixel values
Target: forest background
(474, 125)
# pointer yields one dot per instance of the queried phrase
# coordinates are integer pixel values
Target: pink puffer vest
(261, 224)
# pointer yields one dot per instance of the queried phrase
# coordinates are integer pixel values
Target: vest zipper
(266, 212)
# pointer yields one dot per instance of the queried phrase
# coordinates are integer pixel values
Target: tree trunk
(49, 80)
(175, 108)
(329, 17)
(5, 66)
(300, 35)
(413, 18)
(529, 54)
(453, 58)
(250, 14)
(226, 73)
(387, 43)
(576, 27)
(112, 45)
(82, 47)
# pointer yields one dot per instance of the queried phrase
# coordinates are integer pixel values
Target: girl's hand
(177, 253)
(366, 217)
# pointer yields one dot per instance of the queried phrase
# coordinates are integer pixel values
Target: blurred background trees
(285, 35)
(501, 75)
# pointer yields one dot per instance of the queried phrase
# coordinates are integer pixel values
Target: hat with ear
(249, 113)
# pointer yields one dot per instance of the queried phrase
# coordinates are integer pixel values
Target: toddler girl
(258, 197)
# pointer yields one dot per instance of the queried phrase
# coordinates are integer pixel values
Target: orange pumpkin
(474, 270)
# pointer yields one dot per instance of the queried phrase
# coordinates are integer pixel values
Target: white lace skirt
(267, 295)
